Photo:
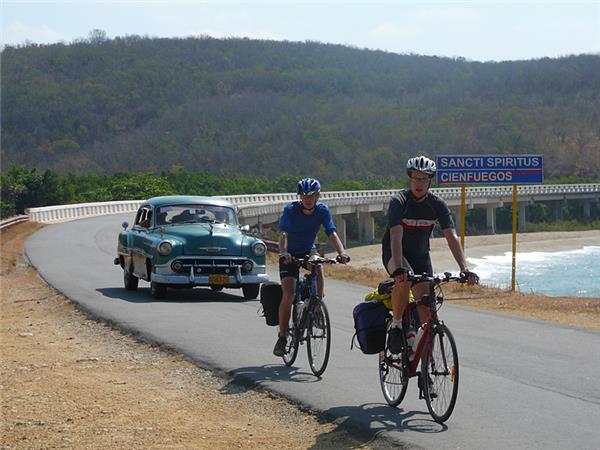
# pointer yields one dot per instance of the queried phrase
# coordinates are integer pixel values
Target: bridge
(262, 211)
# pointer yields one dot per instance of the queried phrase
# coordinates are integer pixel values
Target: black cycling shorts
(291, 269)
(418, 265)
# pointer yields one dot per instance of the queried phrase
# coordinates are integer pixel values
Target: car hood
(204, 239)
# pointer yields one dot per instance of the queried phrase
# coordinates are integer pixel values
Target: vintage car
(185, 241)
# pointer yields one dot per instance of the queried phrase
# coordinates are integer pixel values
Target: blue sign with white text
(490, 169)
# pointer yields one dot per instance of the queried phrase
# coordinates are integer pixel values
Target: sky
(475, 30)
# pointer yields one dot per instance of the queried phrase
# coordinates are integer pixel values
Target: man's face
(308, 201)
(419, 183)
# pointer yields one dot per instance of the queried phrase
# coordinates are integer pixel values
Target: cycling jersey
(302, 229)
(417, 218)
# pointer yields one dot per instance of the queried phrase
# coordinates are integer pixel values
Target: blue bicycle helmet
(309, 186)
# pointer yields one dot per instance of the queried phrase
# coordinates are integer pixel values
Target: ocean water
(574, 273)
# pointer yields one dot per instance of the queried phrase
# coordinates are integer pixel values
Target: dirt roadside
(69, 382)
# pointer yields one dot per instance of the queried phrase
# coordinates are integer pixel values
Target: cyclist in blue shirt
(298, 227)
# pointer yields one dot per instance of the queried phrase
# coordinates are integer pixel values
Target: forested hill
(269, 108)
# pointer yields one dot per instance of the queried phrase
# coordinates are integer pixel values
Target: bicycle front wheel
(291, 346)
(440, 376)
(393, 374)
(319, 338)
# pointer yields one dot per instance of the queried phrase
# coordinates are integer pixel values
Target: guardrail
(76, 211)
(249, 204)
(12, 221)
(445, 193)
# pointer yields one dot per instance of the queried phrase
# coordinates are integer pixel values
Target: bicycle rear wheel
(440, 376)
(319, 338)
(291, 346)
(393, 374)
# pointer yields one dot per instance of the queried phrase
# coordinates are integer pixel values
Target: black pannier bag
(270, 298)
(369, 323)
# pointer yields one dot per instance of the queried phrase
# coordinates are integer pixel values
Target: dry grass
(69, 382)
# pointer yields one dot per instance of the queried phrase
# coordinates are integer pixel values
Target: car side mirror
(245, 228)
(125, 225)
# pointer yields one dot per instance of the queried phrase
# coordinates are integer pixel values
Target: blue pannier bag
(369, 323)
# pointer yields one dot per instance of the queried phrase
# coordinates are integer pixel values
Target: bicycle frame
(436, 353)
(411, 311)
(306, 289)
(313, 325)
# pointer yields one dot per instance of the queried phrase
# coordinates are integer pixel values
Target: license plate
(218, 279)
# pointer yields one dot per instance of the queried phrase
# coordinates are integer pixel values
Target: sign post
(514, 239)
(491, 169)
(463, 213)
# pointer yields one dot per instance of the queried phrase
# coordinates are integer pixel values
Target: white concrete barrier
(61, 213)
(253, 206)
(5, 223)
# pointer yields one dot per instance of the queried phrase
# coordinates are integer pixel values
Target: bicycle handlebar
(438, 279)
(314, 260)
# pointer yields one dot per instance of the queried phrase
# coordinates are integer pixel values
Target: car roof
(187, 200)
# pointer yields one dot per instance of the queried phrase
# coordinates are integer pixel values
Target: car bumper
(234, 279)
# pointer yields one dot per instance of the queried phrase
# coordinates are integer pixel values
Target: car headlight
(259, 249)
(165, 248)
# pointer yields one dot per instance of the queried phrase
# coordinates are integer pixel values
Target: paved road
(524, 384)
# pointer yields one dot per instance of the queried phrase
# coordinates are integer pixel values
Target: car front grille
(210, 266)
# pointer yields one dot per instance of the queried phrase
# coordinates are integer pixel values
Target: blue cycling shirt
(302, 229)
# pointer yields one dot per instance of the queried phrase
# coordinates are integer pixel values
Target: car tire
(129, 280)
(250, 291)
(158, 290)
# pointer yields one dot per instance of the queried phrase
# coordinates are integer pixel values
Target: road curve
(525, 384)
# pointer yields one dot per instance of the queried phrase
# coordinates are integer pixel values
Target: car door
(141, 242)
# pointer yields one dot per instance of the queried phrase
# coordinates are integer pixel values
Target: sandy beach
(489, 245)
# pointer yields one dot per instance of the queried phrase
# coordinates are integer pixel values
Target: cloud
(18, 32)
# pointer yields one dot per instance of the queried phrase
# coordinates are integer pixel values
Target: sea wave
(573, 273)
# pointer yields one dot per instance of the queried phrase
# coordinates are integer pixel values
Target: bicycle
(311, 323)
(436, 351)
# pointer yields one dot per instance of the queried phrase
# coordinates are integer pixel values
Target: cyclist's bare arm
(397, 260)
(283, 248)
(459, 255)
(339, 247)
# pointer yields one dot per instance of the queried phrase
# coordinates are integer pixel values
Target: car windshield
(173, 214)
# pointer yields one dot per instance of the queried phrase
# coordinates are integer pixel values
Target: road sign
(490, 169)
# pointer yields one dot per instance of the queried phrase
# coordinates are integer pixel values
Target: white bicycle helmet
(422, 164)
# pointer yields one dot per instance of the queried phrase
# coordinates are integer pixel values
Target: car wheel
(159, 290)
(250, 291)
(129, 280)
(216, 288)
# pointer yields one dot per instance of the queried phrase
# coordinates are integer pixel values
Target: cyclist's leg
(288, 273)
(419, 290)
(400, 296)
(421, 266)
(288, 287)
(401, 291)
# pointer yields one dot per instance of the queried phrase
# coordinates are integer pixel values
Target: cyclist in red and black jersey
(412, 214)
